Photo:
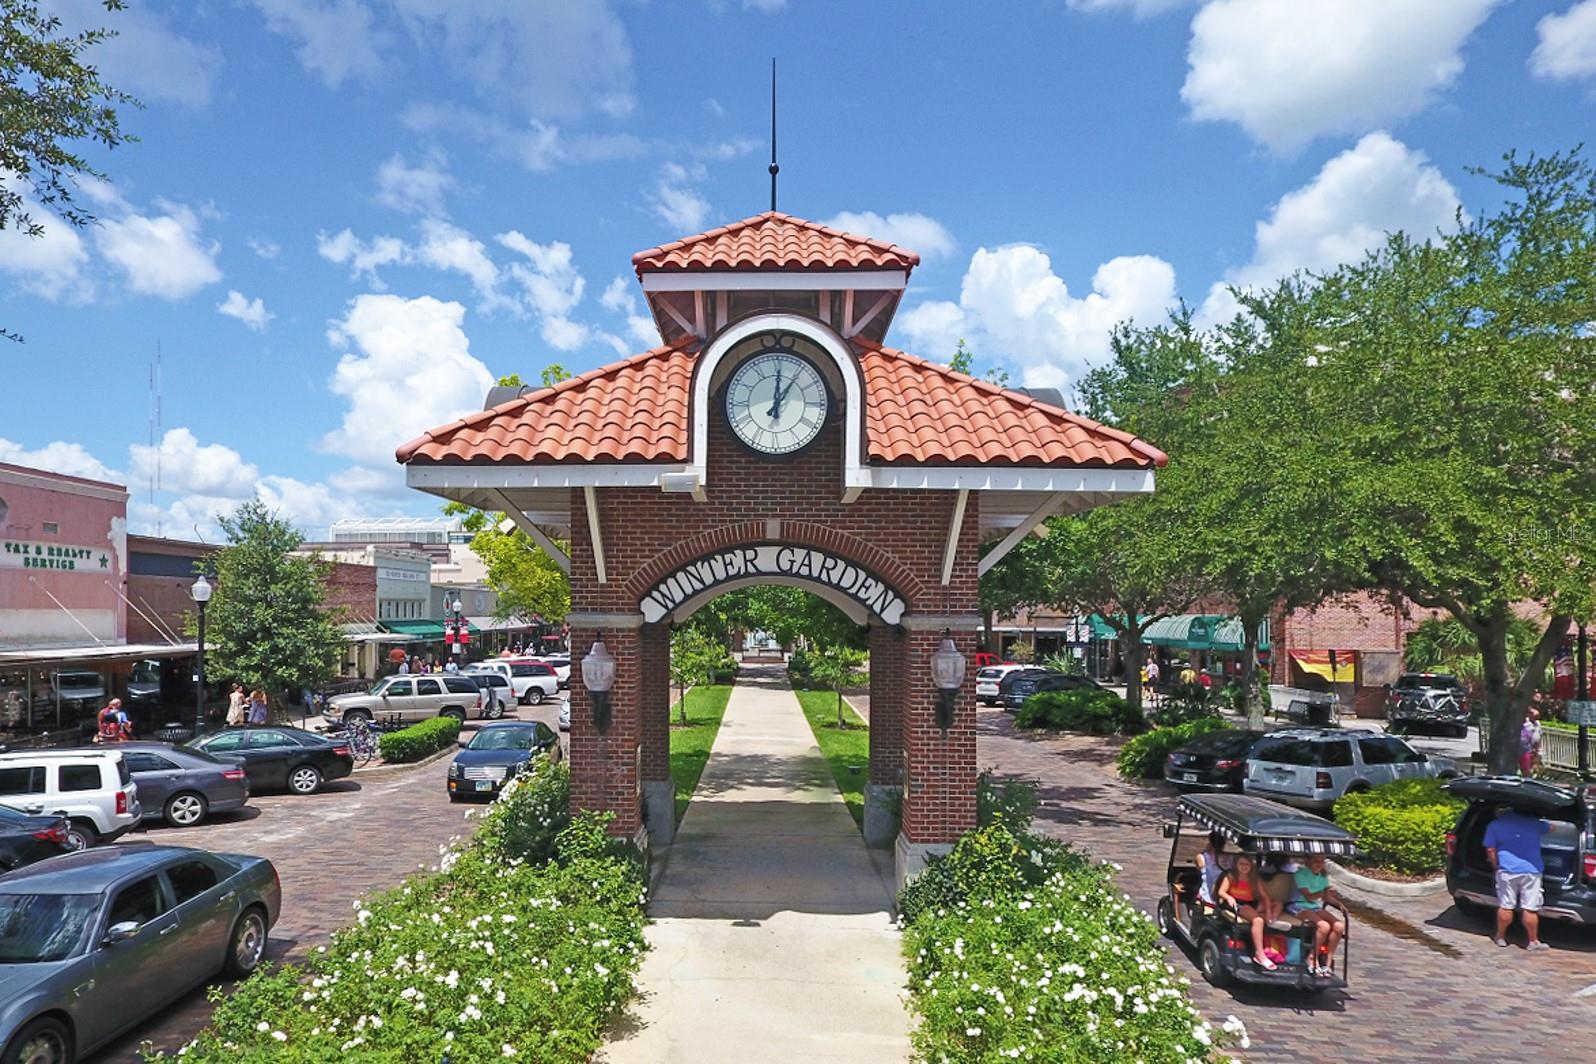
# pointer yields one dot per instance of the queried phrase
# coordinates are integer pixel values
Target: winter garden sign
(773, 561)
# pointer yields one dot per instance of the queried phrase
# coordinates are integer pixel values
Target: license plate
(484, 785)
(1188, 777)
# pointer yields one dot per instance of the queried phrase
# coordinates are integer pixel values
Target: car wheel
(496, 710)
(185, 810)
(247, 944)
(536, 696)
(1164, 917)
(1460, 731)
(44, 1041)
(306, 779)
(1211, 962)
(452, 711)
(81, 836)
(352, 715)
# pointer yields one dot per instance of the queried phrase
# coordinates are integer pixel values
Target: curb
(405, 766)
(1379, 886)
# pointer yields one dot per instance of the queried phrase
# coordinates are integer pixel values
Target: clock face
(776, 402)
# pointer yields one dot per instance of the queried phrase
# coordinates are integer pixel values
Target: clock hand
(776, 396)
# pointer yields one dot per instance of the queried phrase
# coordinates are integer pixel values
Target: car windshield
(502, 739)
(37, 928)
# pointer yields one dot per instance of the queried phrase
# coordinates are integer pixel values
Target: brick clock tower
(774, 438)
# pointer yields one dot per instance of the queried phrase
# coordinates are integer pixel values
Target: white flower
(507, 1049)
(263, 1026)
(280, 1036)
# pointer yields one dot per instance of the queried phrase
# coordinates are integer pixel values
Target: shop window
(52, 528)
(13, 704)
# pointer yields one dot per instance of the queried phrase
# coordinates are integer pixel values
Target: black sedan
(92, 943)
(279, 758)
(183, 786)
(25, 839)
(1213, 762)
(1036, 681)
(496, 753)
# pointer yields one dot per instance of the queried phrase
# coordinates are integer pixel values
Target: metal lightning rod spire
(774, 169)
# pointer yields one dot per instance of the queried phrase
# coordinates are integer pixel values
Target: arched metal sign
(778, 563)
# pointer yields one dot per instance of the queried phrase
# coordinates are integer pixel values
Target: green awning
(1101, 629)
(1230, 637)
(423, 629)
(1187, 631)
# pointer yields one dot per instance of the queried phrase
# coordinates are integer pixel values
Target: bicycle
(361, 739)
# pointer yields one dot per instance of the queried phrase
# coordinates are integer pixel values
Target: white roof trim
(499, 477)
(773, 280)
(1012, 478)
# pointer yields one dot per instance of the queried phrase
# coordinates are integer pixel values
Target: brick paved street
(1427, 985)
(355, 837)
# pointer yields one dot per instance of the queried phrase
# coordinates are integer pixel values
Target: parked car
(1312, 767)
(93, 789)
(1568, 849)
(989, 678)
(1045, 680)
(1427, 701)
(96, 942)
(1213, 762)
(497, 694)
(532, 680)
(982, 658)
(281, 758)
(25, 839)
(1009, 679)
(561, 664)
(496, 753)
(565, 713)
(409, 699)
(184, 786)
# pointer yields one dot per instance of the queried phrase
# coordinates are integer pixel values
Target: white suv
(532, 681)
(91, 788)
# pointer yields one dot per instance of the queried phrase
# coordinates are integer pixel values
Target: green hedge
(419, 740)
(1143, 757)
(1087, 709)
(496, 957)
(1024, 948)
(1402, 825)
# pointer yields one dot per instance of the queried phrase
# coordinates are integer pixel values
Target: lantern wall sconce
(947, 673)
(598, 677)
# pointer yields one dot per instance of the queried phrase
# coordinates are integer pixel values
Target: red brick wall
(655, 707)
(165, 598)
(354, 588)
(605, 768)
(887, 649)
(939, 805)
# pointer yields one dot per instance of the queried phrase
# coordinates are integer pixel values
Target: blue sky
(343, 217)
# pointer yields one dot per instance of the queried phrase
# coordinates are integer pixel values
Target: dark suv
(1569, 849)
(1426, 701)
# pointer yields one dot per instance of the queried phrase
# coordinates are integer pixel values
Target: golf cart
(1271, 833)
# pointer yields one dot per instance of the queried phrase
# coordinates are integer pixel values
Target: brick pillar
(605, 769)
(939, 766)
(659, 792)
(882, 793)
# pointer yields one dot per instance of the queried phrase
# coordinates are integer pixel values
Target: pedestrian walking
(236, 713)
(404, 667)
(1529, 741)
(452, 666)
(257, 707)
(1513, 846)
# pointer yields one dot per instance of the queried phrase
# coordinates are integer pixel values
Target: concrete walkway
(773, 939)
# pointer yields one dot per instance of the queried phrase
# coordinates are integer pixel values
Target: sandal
(1265, 963)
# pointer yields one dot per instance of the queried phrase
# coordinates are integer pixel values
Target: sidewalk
(773, 939)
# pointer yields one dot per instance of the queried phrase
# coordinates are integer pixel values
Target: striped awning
(1318, 837)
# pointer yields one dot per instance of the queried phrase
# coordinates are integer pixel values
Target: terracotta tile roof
(923, 413)
(631, 411)
(775, 241)
(916, 413)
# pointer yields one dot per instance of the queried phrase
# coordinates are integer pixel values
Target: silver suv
(409, 699)
(1312, 767)
(91, 788)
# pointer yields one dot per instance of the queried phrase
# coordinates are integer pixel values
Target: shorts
(1518, 890)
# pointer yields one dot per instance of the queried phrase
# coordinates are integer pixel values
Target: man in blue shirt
(1513, 844)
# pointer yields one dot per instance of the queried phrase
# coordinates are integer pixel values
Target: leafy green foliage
(1088, 709)
(788, 614)
(1444, 644)
(51, 99)
(267, 624)
(523, 945)
(1188, 701)
(419, 740)
(1023, 947)
(1402, 825)
(1143, 757)
(836, 669)
(695, 659)
(527, 580)
(1012, 802)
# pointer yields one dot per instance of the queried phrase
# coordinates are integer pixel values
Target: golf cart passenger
(1240, 889)
(1214, 862)
(1311, 904)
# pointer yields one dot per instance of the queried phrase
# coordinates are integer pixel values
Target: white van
(91, 788)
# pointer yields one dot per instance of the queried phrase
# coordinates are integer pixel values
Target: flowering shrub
(494, 957)
(1143, 757)
(1022, 948)
(419, 740)
(1402, 825)
(1011, 801)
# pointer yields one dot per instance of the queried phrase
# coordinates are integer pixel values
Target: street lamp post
(201, 593)
(947, 675)
(460, 631)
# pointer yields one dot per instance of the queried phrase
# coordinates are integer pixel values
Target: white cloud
(190, 468)
(620, 297)
(364, 258)
(1013, 307)
(50, 264)
(418, 189)
(59, 456)
(552, 285)
(336, 38)
(537, 145)
(162, 255)
(675, 202)
(1289, 72)
(1567, 44)
(266, 249)
(145, 57)
(916, 232)
(1139, 8)
(1376, 187)
(252, 312)
(407, 367)
(448, 247)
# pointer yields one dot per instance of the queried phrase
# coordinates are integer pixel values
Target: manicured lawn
(690, 743)
(847, 751)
